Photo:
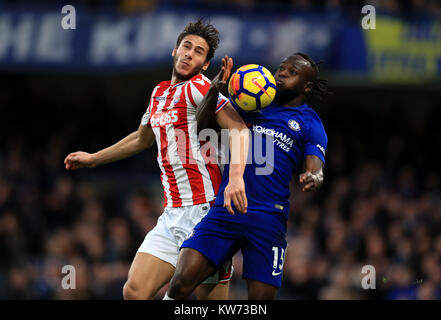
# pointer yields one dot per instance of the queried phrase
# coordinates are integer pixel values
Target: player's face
(189, 58)
(293, 74)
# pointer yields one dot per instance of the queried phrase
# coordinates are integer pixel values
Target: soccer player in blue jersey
(299, 142)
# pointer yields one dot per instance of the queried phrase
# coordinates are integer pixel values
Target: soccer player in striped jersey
(189, 179)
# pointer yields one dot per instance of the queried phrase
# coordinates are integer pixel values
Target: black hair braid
(320, 88)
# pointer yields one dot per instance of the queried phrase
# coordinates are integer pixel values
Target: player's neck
(176, 78)
(296, 102)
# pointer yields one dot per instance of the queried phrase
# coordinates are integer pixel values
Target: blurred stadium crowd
(424, 7)
(380, 204)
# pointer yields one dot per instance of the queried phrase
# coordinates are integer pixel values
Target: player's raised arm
(206, 112)
(227, 118)
(135, 142)
(312, 178)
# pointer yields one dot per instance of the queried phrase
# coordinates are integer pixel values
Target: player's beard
(180, 76)
(285, 96)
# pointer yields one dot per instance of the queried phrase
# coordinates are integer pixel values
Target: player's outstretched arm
(312, 178)
(227, 118)
(129, 146)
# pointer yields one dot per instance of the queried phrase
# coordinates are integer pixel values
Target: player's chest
(285, 132)
(168, 109)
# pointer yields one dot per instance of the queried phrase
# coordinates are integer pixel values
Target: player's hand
(310, 181)
(221, 78)
(235, 190)
(78, 160)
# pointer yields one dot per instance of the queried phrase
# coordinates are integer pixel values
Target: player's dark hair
(320, 88)
(202, 29)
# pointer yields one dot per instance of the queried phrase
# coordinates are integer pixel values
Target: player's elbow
(144, 141)
(145, 144)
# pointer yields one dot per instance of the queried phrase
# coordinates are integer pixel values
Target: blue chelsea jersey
(281, 138)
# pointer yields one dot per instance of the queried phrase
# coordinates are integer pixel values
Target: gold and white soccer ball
(252, 87)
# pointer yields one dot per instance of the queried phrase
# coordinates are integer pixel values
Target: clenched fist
(78, 160)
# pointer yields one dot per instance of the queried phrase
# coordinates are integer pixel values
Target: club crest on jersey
(294, 125)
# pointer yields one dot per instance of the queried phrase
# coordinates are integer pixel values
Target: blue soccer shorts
(259, 235)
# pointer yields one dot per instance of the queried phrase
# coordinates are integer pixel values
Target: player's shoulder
(200, 79)
(163, 84)
(309, 114)
(305, 120)
(160, 87)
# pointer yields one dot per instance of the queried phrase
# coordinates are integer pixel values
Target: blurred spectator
(416, 7)
(366, 215)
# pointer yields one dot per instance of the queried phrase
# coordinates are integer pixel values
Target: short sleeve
(316, 140)
(145, 120)
(198, 87)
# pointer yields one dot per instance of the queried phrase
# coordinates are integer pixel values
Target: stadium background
(380, 204)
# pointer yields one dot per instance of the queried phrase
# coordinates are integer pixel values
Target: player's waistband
(266, 207)
(176, 204)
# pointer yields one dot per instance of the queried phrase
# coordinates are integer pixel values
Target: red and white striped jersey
(186, 176)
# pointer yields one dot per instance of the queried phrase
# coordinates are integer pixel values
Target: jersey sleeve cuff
(221, 105)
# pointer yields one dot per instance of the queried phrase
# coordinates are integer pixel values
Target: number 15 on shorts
(279, 259)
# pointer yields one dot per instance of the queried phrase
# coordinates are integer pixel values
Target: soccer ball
(252, 87)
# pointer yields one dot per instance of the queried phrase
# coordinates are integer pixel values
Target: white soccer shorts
(172, 228)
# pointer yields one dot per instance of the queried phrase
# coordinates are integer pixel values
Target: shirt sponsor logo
(294, 125)
(163, 119)
(280, 139)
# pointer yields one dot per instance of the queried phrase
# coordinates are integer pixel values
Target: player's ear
(174, 52)
(308, 87)
(205, 66)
